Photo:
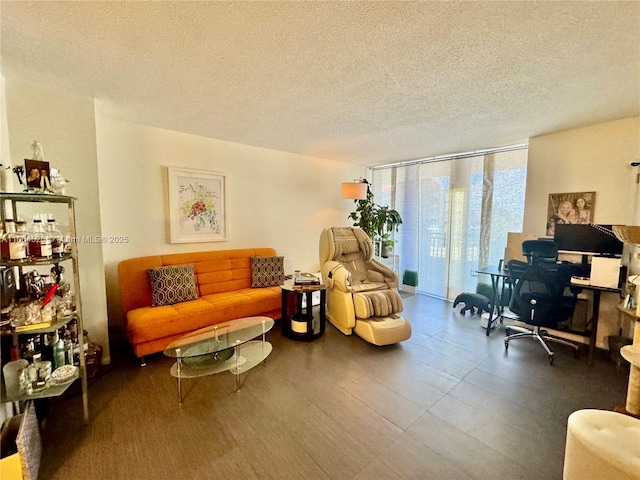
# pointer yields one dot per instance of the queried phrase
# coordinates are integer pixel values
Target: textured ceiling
(361, 82)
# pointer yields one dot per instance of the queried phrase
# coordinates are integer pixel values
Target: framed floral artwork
(197, 205)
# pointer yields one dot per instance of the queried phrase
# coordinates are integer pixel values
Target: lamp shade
(627, 233)
(354, 190)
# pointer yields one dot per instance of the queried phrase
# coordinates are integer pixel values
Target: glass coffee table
(232, 346)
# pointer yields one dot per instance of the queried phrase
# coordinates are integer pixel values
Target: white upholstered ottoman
(602, 445)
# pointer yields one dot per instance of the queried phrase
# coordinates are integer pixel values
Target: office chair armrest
(336, 276)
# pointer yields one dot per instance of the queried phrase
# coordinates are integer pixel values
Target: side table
(308, 326)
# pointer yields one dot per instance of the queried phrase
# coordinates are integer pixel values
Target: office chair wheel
(551, 359)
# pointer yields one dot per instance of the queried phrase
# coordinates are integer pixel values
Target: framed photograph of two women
(577, 207)
(197, 205)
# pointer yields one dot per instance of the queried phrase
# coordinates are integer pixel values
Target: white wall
(595, 158)
(6, 175)
(64, 124)
(589, 159)
(274, 199)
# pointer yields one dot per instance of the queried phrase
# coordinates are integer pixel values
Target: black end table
(315, 325)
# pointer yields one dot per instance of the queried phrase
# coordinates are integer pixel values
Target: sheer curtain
(456, 215)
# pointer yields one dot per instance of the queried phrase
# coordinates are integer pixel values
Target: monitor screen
(587, 239)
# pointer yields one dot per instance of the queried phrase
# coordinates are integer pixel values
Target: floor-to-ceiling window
(456, 215)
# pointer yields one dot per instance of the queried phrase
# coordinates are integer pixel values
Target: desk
(498, 276)
(592, 323)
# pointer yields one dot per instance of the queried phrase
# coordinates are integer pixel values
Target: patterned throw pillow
(267, 271)
(173, 284)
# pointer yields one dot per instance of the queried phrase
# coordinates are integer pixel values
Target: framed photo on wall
(577, 207)
(197, 205)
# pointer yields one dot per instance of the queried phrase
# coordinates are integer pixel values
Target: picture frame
(37, 175)
(574, 208)
(197, 205)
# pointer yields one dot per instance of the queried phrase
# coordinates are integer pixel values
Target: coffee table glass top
(219, 337)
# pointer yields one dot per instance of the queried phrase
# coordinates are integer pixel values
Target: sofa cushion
(267, 271)
(173, 284)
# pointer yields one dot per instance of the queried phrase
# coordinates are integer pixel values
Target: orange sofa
(223, 280)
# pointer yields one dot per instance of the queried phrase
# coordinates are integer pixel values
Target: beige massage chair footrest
(383, 331)
(377, 319)
(377, 303)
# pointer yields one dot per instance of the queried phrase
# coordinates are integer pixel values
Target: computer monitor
(587, 239)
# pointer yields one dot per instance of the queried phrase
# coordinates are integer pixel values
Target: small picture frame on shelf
(37, 175)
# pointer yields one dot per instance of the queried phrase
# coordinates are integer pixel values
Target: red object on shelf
(52, 291)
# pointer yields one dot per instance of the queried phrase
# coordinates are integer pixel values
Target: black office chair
(546, 251)
(540, 251)
(539, 301)
(515, 270)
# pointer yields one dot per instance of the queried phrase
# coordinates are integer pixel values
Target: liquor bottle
(39, 241)
(57, 241)
(39, 382)
(58, 351)
(72, 328)
(75, 343)
(37, 346)
(32, 373)
(47, 346)
(68, 349)
(17, 241)
(29, 350)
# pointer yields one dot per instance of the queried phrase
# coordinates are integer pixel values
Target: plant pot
(409, 288)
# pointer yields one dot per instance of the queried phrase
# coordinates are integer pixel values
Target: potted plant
(410, 281)
(379, 222)
(364, 215)
(387, 222)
